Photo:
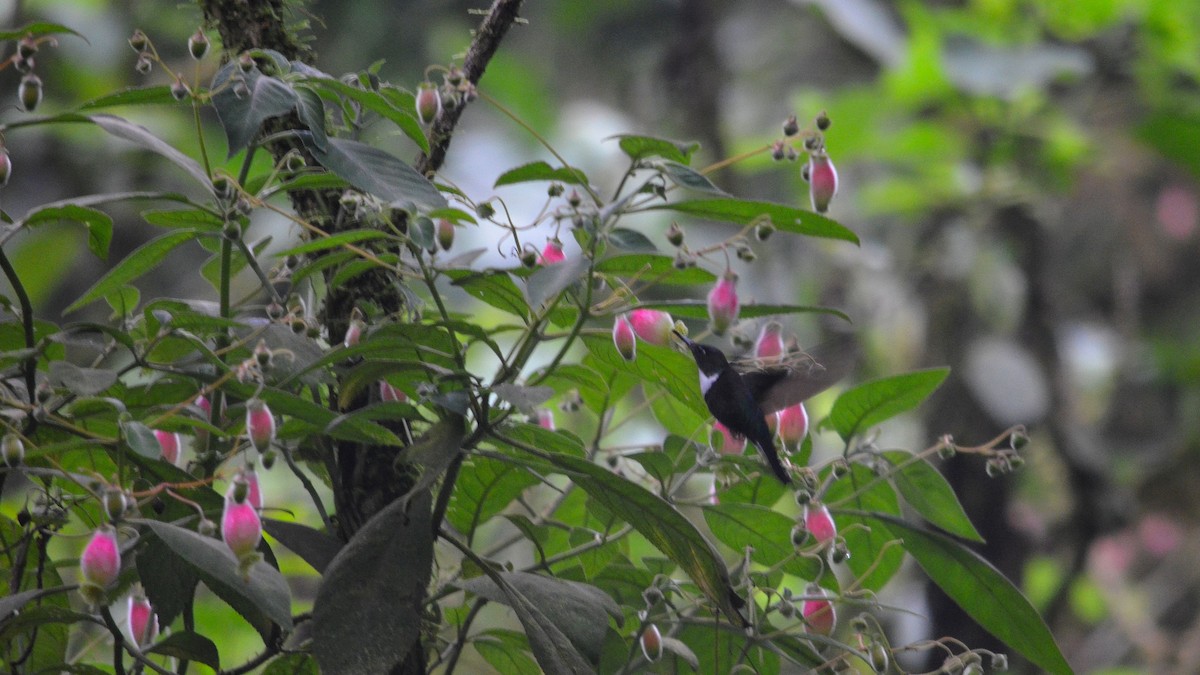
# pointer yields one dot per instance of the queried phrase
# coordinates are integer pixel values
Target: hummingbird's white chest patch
(706, 382)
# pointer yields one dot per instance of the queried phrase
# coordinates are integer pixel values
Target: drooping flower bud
(141, 620)
(179, 90)
(624, 338)
(101, 560)
(198, 44)
(652, 326)
(170, 443)
(769, 348)
(823, 181)
(13, 449)
(144, 65)
(115, 503)
(30, 92)
(819, 522)
(389, 393)
(253, 490)
(791, 126)
(5, 166)
(793, 426)
(723, 303)
(651, 642)
(138, 41)
(260, 424)
(354, 332)
(730, 444)
(675, 234)
(545, 418)
(823, 121)
(552, 253)
(429, 103)
(819, 615)
(445, 234)
(241, 528)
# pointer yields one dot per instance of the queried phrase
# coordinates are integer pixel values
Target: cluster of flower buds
(723, 304)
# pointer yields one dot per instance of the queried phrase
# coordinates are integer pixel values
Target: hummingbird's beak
(683, 337)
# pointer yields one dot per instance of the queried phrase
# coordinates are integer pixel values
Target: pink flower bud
(429, 103)
(143, 624)
(772, 422)
(552, 253)
(260, 424)
(101, 560)
(389, 393)
(723, 303)
(545, 418)
(624, 338)
(818, 613)
(730, 444)
(5, 166)
(769, 348)
(445, 234)
(652, 643)
(253, 491)
(793, 425)
(652, 326)
(353, 333)
(170, 443)
(203, 404)
(823, 181)
(819, 522)
(241, 528)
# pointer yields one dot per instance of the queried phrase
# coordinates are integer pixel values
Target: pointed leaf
(769, 533)
(484, 488)
(159, 94)
(242, 111)
(540, 170)
(141, 439)
(38, 28)
(640, 147)
(631, 240)
(377, 102)
(744, 212)
(81, 381)
(168, 580)
(311, 110)
(870, 403)
(98, 224)
(674, 372)
(507, 651)
(190, 646)
(141, 261)
(495, 288)
(367, 615)
(687, 177)
(376, 172)
(313, 546)
(122, 128)
(926, 490)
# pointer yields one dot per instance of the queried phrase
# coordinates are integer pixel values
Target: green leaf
(1175, 134)
(640, 147)
(313, 546)
(141, 439)
(698, 309)
(674, 372)
(687, 177)
(540, 170)
(507, 651)
(655, 269)
(926, 490)
(662, 525)
(769, 533)
(485, 487)
(981, 591)
(580, 611)
(198, 219)
(495, 288)
(242, 115)
(152, 95)
(39, 28)
(141, 261)
(744, 212)
(189, 646)
(378, 103)
(870, 403)
(168, 580)
(333, 241)
(262, 597)
(135, 133)
(293, 664)
(548, 281)
(367, 614)
(631, 240)
(376, 172)
(98, 224)
(81, 381)
(874, 558)
(434, 452)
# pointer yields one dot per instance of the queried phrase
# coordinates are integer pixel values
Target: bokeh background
(1023, 175)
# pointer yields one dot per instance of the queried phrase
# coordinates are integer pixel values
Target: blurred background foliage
(1023, 174)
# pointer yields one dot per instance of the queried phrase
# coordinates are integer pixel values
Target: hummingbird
(742, 400)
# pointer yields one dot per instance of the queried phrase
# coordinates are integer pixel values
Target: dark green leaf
(687, 177)
(198, 219)
(578, 610)
(640, 147)
(744, 212)
(485, 487)
(540, 170)
(662, 366)
(655, 269)
(631, 240)
(81, 381)
(39, 28)
(874, 558)
(293, 664)
(870, 403)
(926, 490)
(378, 103)
(313, 546)
(378, 173)
(311, 111)
(261, 598)
(981, 591)
(141, 261)
(186, 645)
(153, 95)
(141, 439)
(98, 224)
(662, 525)
(168, 580)
(242, 112)
(367, 614)
(698, 309)
(769, 533)
(495, 288)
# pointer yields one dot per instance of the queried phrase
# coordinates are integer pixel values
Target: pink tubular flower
(241, 528)
(101, 560)
(170, 443)
(552, 253)
(203, 404)
(793, 425)
(545, 418)
(624, 338)
(253, 491)
(389, 393)
(823, 181)
(723, 303)
(818, 613)
(769, 348)
(142, 622)
(652, 326)
(428, 103)
(819, 522)
(260, 424)
(354, 332)
(730, 444)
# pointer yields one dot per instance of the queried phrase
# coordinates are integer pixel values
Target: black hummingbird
(742, 400)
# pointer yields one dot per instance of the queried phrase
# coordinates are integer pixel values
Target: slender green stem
(462, 635)
(200, 136)
(308, 487)
(118, 659)
(223, 290)
(29, 365)
(252, 261)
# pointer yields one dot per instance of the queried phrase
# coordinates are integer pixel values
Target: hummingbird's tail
(771, 454)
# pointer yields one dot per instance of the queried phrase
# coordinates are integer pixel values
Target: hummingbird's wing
(777, 388)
